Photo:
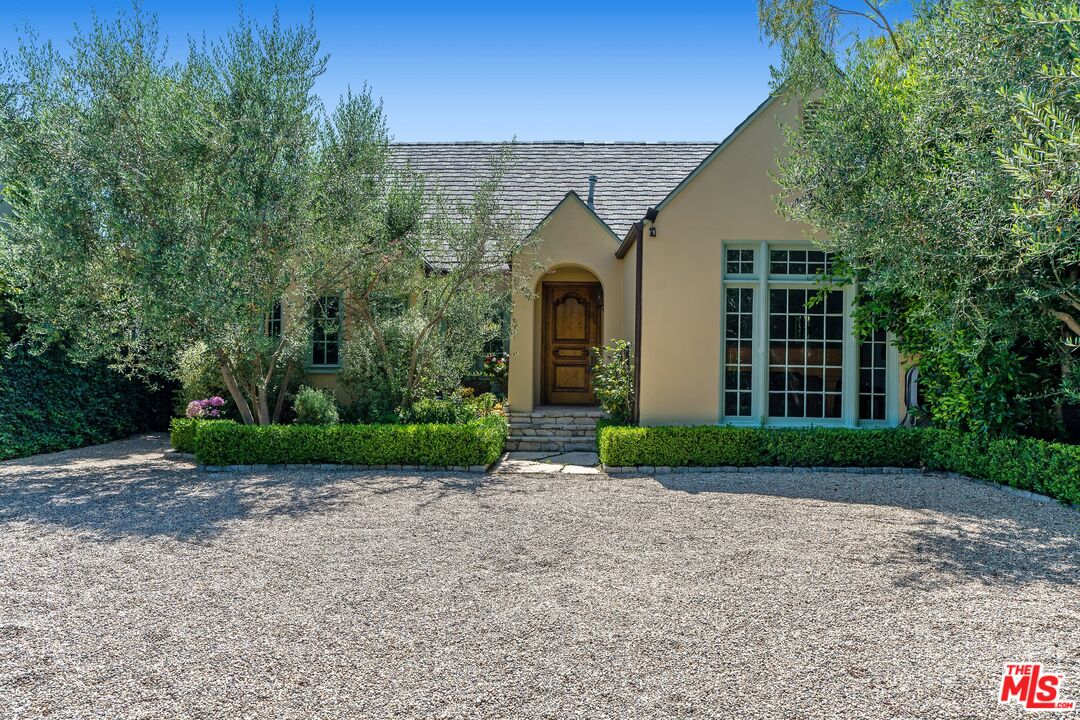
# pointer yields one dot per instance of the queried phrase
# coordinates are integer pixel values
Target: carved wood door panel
(571, 315)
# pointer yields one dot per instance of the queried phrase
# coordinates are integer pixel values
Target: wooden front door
(571, 315)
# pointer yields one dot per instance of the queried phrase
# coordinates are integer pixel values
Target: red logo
(1035, 690)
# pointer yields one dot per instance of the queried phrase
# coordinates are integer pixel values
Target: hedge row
(712, 445)
(48, 403)
(224, 442)
(1051, 469)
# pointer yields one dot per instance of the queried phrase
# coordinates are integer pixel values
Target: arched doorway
(571, 316)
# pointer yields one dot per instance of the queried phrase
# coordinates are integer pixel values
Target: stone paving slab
(549, 463)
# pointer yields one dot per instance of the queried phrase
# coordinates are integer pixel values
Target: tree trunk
(235, 393)
(263, 406)
(282, 391)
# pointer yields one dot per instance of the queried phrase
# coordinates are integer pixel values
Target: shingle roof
(630, 176)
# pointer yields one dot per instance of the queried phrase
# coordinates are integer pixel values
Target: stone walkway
(548, 463)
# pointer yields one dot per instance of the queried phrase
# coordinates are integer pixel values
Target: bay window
(789, 353)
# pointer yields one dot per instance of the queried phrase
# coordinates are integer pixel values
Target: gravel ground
(136, 587)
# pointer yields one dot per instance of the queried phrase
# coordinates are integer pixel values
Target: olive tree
(936, 157)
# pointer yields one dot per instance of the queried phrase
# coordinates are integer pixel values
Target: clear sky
(578, 70)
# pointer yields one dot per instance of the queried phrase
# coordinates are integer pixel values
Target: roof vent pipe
(592, 191)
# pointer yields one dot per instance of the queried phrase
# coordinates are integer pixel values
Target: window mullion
(851, 361)
(761, 336)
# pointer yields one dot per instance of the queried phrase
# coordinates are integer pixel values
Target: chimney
(592, 191)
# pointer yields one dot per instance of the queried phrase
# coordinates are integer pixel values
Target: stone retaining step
(551, 444)
(557, 429)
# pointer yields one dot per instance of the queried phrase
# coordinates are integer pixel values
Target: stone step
(553, 432)
(552, 444)
(549, 412)
(554, 422)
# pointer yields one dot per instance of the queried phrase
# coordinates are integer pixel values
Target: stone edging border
(694, 470)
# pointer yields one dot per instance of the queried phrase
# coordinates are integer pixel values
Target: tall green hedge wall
(48, 403)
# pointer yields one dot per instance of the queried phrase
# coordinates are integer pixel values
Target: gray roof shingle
(630, 176)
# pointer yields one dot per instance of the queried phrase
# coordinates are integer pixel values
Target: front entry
(571, 317)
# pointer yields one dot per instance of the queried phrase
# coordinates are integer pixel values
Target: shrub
(460, 407)
(50, 403)
(1048, 468)
(204, 409)
(613, 380)
(315, 407)
(182, 434)
(199, 375)
(704, 446)
(479, 442)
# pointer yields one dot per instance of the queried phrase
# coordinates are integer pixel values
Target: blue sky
(585, 70)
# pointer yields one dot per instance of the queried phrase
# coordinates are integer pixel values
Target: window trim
(312, 367)
(761, 282)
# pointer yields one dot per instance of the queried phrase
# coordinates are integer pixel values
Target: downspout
(637, 321)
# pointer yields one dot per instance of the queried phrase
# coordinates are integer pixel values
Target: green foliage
(199, 376)
(621, 446)
(315, 407)
(479, 442)
(940, 163)
(405, 350)
(460, 407)
(49, 403)
(613, 380)
(1052, 469)
(712, 445)
(182, 432)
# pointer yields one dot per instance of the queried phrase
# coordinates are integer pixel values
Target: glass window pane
(804, 360)
(872, 376)
(738, 350)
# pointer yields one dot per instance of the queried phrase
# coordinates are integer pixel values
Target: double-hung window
(789, 353)
(326, 332)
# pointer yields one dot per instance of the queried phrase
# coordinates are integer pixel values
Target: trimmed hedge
(182, 432)
(479, 442)
(49, 403)
(1051, 469)
(716, 445)
(1048, 468)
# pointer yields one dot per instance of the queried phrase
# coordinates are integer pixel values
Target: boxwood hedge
(1048, 468)
(714, 445)
(479, 442)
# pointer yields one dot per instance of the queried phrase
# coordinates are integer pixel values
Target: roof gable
(716, 152)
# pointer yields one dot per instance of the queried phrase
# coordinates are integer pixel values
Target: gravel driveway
(136, 587)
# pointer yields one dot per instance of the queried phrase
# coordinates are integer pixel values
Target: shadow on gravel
(961, 532)
(116, 493)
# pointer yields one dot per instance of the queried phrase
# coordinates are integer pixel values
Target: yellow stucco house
(677, 247)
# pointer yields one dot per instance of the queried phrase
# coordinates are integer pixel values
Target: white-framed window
(273, 320)
(789, 353)
(326, 332)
